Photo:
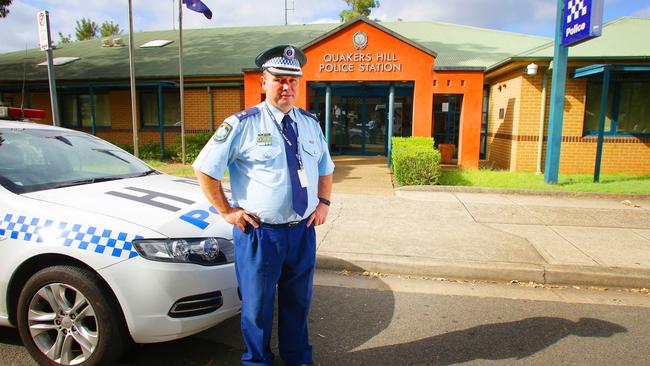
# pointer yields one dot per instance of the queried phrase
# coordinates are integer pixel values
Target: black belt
(286, 224)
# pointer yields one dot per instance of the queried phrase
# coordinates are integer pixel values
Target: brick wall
(226, 102)
(513, 140)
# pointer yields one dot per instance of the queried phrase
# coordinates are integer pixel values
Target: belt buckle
(292, 223)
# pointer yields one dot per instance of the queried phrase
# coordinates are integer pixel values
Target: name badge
(264, 139)
(302, 175)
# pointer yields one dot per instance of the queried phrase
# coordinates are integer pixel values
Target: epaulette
(247, 113)
(310, 115)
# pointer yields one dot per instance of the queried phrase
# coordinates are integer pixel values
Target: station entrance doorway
(358, 115)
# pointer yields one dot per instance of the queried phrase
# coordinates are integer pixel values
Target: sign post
(45, 42)
(577, 21)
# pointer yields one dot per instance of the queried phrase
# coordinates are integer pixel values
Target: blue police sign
(583, 20)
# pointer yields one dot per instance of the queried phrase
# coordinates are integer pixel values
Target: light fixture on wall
(531, 69)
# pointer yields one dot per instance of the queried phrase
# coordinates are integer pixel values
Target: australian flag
(198, 6)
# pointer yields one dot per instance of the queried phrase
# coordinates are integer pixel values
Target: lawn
(177, 169)
(613, 183)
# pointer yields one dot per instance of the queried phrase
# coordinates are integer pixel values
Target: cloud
(643, 13)
(530, 15)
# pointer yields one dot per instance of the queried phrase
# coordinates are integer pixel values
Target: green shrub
(193, 145)
(415, 161)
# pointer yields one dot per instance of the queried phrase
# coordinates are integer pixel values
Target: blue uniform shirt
(252, 148)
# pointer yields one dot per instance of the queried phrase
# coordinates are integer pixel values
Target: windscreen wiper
(85, 181)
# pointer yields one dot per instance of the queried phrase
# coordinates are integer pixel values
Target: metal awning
(605, 71)
(594, 70)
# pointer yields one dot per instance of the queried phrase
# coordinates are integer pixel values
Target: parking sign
(43, 30)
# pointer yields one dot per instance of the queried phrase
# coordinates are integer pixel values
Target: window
(149, 108)
(628, 108)
(76, 110)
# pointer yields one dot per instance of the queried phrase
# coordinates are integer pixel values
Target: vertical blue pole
(558, 89)
(328, 114)
(601, 123)
(161, 121)
(391, 108)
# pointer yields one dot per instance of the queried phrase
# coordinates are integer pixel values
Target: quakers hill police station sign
(583, 20)
(360, 61)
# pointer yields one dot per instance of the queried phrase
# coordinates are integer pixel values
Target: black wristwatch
(324, 201)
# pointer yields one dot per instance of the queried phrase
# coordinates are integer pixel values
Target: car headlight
(203, 251)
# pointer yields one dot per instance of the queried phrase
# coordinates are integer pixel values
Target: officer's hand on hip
(319, 215)
(239, 217)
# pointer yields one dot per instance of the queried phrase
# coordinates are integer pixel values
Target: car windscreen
(37, 159)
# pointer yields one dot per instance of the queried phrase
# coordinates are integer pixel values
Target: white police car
(98, 249)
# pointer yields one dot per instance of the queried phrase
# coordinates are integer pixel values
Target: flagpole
(132, 76)
(180, 66)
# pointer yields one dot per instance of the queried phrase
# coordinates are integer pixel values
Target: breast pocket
(263, 154)
(310, 156)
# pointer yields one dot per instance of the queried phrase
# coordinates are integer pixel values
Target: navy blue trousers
(267, 257)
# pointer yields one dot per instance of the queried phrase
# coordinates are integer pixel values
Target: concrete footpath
(498, 235)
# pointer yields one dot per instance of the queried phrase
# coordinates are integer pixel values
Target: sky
(19, 29)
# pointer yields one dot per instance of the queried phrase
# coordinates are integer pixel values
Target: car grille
(196, 305)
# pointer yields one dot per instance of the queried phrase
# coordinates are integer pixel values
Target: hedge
(193, 145)
(415, 161)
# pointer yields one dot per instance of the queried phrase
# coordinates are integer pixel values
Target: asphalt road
(359, 320)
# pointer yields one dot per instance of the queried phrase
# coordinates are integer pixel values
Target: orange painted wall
(394, 60)
(382, 48)
(470, 85)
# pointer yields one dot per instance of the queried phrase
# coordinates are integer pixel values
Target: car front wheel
(66, 317)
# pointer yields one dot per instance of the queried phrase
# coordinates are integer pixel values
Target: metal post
(328, 114)
(542, 119)
(180, 67)
(601, 123)
(93, 119)
(211, 106)
(161, 121)
(51, 75)
(134, 115)
(391, 107)
(558, 89)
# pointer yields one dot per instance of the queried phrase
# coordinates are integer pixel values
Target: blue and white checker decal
(577, 9)
(83, 237)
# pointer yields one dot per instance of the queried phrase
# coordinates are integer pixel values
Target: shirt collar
(279, 115)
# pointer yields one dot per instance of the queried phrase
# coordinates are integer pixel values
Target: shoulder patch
(310, 115)
(222, 132)
(247, 113)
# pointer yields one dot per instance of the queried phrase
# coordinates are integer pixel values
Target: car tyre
(66, 316)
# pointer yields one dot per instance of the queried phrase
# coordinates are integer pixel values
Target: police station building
(483, 95)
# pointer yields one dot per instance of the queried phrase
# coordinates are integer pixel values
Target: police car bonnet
(284, 60)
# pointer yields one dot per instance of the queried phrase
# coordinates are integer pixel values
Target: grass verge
(609, 183)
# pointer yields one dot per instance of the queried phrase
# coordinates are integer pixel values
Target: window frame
(615, 92)
(154, 92)
(78, 122)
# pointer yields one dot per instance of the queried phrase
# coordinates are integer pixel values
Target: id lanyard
(286, 139)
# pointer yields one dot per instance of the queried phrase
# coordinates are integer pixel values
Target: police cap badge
(282, 60)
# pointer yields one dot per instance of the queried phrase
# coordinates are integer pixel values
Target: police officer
(281, 180)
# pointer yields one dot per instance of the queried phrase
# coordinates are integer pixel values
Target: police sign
(582, 21)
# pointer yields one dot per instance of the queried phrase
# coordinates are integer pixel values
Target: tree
(359, 8)
(86, 29)
(108, 28)
(64, 39)
(4, 8)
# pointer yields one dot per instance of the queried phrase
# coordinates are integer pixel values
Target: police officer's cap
(284, 60)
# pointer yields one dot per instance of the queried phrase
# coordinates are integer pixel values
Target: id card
(302, 175)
